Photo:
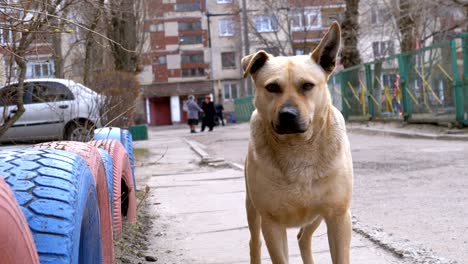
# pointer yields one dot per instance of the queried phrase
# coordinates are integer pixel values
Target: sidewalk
(398, 129)
(199, 210)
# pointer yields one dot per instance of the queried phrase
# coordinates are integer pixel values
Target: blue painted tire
(108, 166)
(124, 136)
(57, 194)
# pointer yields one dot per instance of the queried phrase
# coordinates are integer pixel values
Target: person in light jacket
(193, 110)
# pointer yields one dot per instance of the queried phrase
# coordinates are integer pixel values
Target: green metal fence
(243, 108)
(426, 85)
(423, 85)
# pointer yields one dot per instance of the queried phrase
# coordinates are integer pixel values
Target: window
(231, 91)
(189, 25)
(184, 40)
(224, 1)
(228, 60)
(383, 48)
(48, 92)
(265, 23)
(226, 27)
(156, 27)
(6, 36)
(193, 58)
(301, 51)
(9, 95)
(193, 72)
(162, 60)
(39, 69)
(188, 6)
(379, 16)
(306, 19)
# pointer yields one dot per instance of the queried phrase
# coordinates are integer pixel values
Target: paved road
(410, 194)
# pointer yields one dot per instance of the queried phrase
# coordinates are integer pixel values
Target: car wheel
(57, 194)
(93, 160)
(79, 131)
(16, 242)
(125, 138)
(124, 190)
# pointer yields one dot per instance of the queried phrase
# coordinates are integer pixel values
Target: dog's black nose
(288, 114)
(289, 121)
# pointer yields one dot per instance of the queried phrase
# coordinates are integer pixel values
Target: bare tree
(287, 27)
(27, 22)
(350, 31)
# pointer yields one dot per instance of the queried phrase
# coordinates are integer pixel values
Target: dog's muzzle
(289, 121)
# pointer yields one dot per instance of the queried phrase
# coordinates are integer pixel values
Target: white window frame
(3, 40)
(31, 69)
(265, 23)
(228, 96)
(156, 27)
(226, 27)
(311, 17)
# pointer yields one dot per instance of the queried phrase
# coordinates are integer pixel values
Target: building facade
(195, 47)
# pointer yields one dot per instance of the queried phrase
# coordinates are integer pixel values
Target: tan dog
(298, 168)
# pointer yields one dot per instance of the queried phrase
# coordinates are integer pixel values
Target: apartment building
(195, 47)
(177, 59)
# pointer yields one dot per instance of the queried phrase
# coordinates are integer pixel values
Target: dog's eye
(308, 86)
(273, 88)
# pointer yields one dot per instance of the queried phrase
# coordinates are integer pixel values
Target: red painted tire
(94, 162)
(16, 242)
(124, 190)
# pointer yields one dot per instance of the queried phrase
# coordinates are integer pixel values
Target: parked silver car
(55, 109)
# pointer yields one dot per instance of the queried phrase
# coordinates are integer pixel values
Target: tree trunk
(58, 56)
(407, 26)
(350, 31)
(123, 31)
(93, 53)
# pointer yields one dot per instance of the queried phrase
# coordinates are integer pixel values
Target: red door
(160, 111)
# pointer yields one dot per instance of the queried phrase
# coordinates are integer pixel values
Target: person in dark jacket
(192, 109)
(219, 113)
(209, 114)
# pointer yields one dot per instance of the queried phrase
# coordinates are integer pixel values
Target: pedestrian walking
(209, 114)
(192, 109)
(219, 112)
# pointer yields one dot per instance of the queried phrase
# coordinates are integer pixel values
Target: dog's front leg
(304, 238)
(339, 236)
(255, 221)
(276, 240)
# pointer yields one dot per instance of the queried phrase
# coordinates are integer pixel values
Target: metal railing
(428, 85)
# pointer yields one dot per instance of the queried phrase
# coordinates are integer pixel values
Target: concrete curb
(402, 248)
(403, 134)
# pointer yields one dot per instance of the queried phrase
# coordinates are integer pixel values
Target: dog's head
(291, 91)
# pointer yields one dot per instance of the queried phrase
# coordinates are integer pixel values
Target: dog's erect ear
(327, 50)
(253, 62)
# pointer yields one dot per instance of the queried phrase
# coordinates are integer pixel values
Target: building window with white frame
(6, 36)
(265, 23)
(39, 69)
(226, 27)
(223, 1)
(307, 19)
(156, 27)
(383, 48)
(231, 91)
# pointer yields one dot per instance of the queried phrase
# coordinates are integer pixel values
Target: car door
(8, 96)
(49, 109)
